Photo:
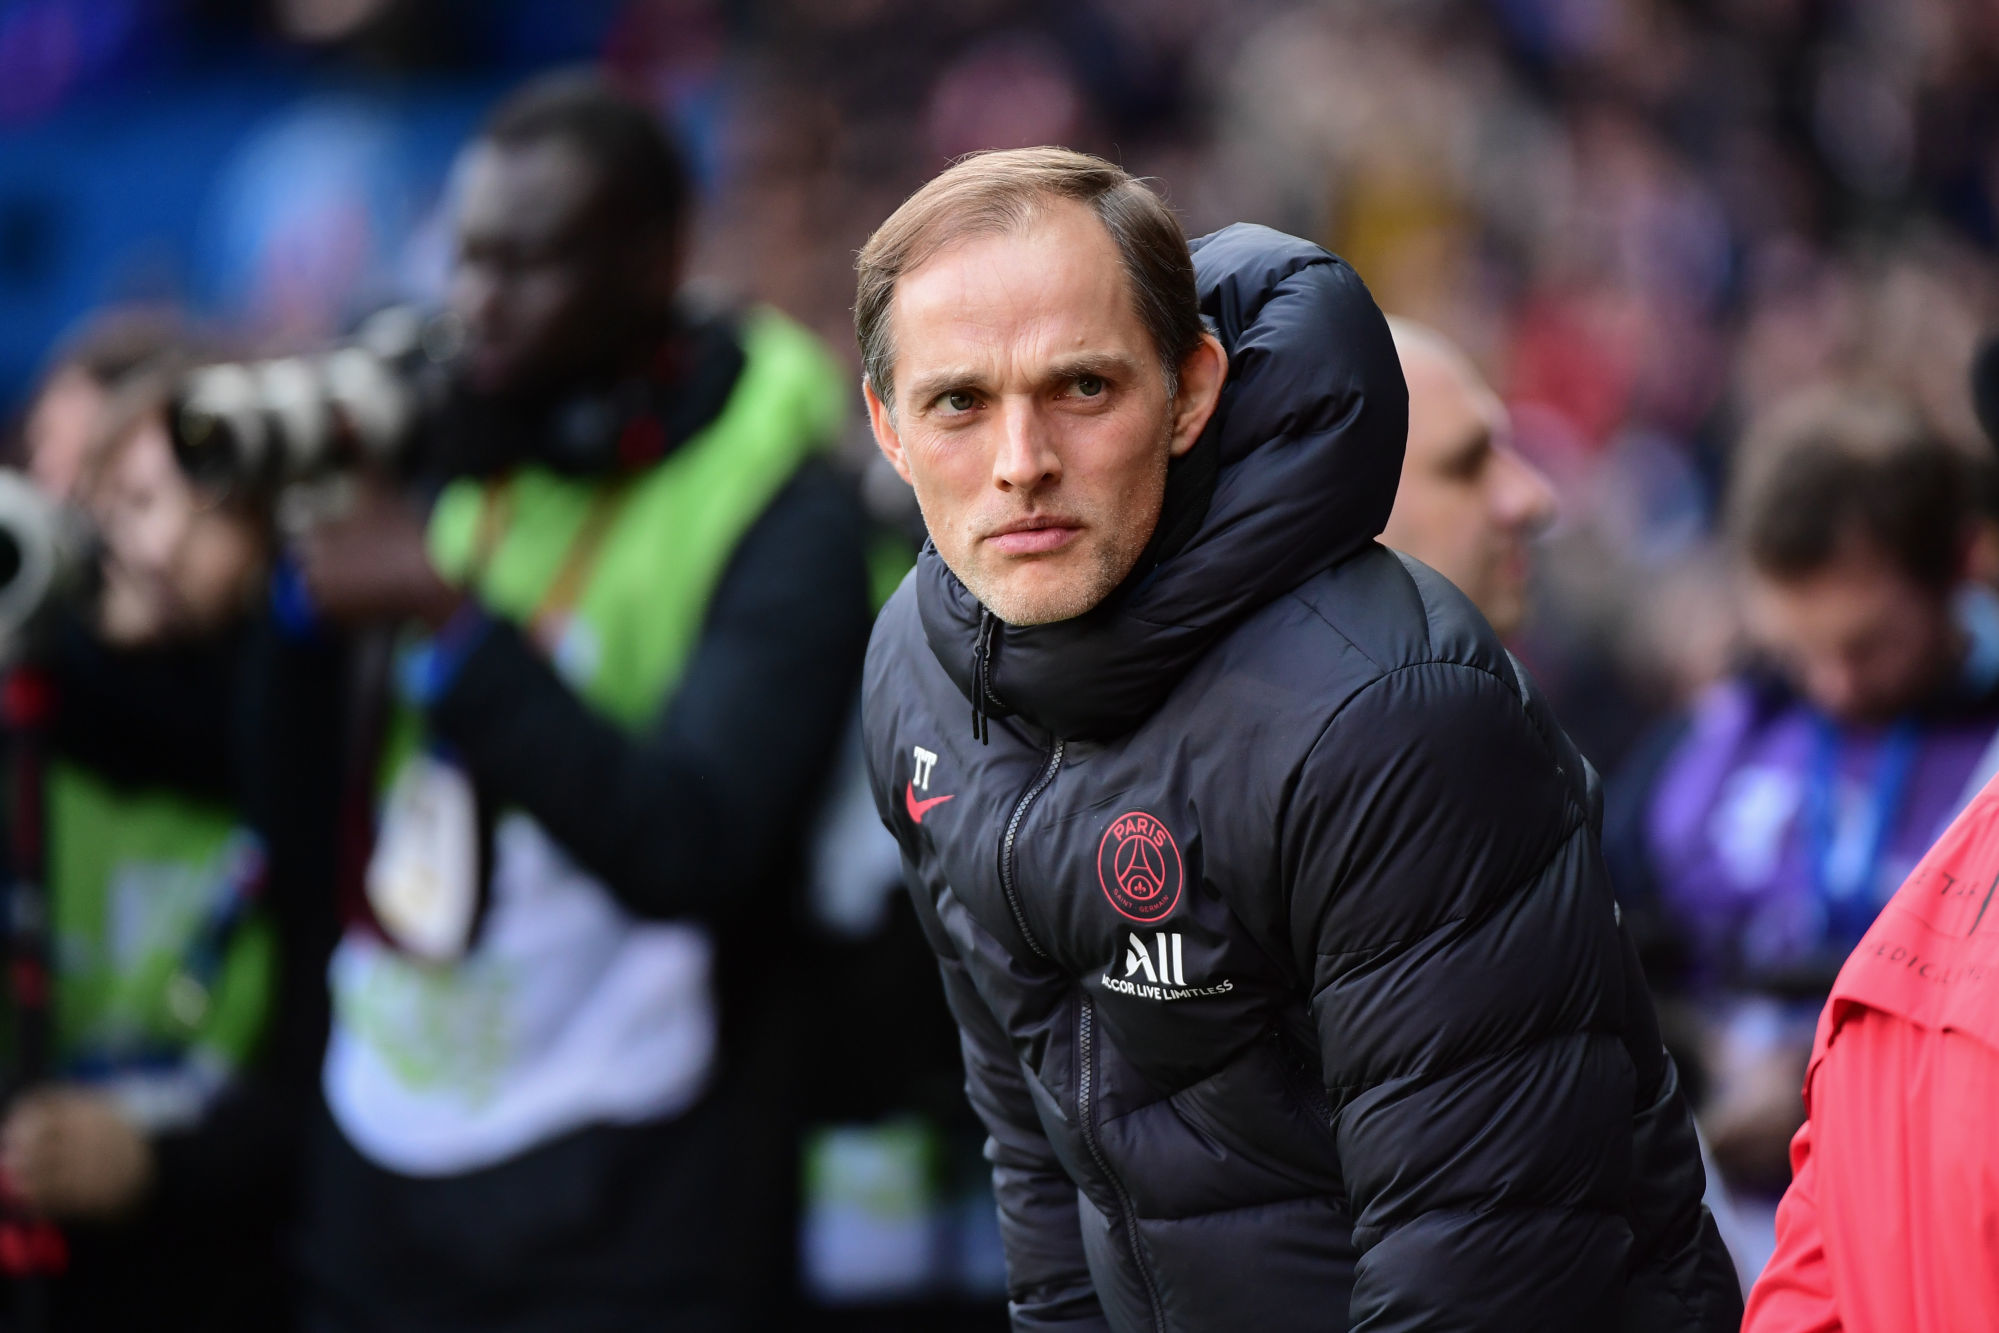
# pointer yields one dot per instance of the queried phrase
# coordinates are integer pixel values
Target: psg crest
(1138, 863)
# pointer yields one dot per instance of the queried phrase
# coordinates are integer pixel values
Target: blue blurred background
(239, 159)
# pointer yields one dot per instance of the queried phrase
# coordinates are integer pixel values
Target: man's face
(1859, 638)
(1468, 506)
(550, 285)
(173, 565)
(1032, 415)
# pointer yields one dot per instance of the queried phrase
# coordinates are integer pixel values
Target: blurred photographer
(158, 1132)
(631, 625)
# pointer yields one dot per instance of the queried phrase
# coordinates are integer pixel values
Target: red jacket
(1891, 1224)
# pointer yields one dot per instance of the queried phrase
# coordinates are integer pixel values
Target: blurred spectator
(162, 1137)
(1888, 1221)
(560, 1095)
(1798, 795)
(1468, 505)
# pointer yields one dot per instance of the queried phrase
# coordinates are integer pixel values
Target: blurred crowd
(1688, 294)
(1646, 222)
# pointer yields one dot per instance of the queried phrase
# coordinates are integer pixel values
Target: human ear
(882, 422)
(1202, 373)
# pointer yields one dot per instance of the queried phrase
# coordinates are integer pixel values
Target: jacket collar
(1296, 471)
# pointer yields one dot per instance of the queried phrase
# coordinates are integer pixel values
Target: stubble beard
(1102, 567)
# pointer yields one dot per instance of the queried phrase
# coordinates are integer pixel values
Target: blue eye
(959, 401)
(1089, 386)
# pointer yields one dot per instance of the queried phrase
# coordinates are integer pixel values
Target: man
(550, 1074)
(1891, 1220)
(1264, 886)
(1801, 791)
(1469, 505)
(160, 1126)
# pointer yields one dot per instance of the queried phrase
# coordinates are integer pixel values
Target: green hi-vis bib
(152, 956)
(640, 610)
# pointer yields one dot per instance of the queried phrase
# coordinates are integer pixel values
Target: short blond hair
(998, 192)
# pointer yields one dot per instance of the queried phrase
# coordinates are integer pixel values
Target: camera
(48, 554)
(263, 425)
(295, 429)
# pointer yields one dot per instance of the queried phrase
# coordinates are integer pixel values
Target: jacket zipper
(1020, 808)
(982, 677)
(1085, 1028)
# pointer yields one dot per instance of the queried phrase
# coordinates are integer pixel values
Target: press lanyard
(1850, 907)
(551, 613)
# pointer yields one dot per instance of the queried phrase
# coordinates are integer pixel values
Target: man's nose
(1524, 499)
(1026, 459)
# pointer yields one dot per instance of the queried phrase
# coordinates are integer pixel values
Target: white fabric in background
(568, 1012)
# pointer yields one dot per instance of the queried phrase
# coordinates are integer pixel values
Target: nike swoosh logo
(917, 809)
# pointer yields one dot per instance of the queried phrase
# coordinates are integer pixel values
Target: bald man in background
(1469, 506)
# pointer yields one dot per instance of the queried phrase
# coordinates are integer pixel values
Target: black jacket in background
(205, 1249)
(1291, 987)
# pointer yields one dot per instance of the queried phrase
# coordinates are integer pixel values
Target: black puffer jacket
(1290, 984)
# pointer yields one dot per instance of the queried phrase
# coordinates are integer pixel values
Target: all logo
(1156, 969)
(1172, 967)
(1138, 864)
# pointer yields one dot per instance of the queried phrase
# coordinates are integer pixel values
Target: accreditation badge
(426, 880)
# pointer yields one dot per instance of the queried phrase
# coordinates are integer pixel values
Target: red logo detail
(917, 808)
(1138, 863)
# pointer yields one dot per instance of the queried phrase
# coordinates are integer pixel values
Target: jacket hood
(1295, 472)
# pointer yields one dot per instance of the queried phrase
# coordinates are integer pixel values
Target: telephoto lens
(48, 554)
(262, 425)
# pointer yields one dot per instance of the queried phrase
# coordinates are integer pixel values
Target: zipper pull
(982, 676)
